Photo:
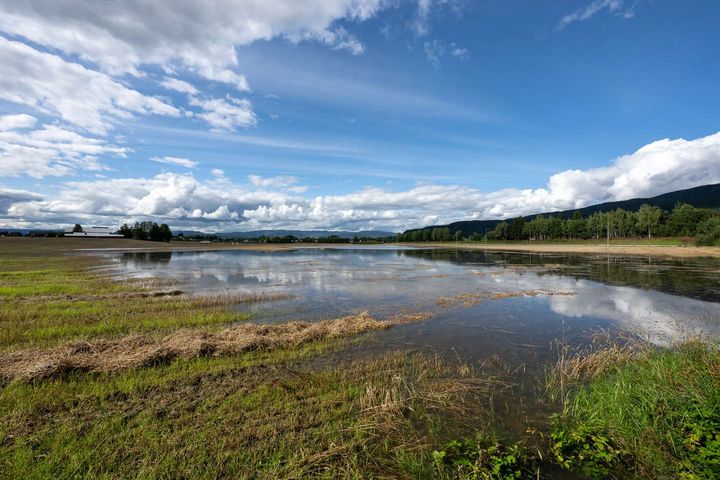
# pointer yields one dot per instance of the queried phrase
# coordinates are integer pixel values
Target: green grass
(652, 417)
(255, 415)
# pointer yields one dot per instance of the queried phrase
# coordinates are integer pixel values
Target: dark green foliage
(649, 221)
(693, 205)
(708, 232)
(483, 459)
(147, 231)
(581, 450)
(77, 228)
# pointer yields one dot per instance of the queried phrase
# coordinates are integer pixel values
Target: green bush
(483, 459)
(709, 232)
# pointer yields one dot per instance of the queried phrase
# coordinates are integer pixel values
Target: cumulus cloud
(274, 202)
(181, 162)
(78, 95)
(227, 113)
(50, 150)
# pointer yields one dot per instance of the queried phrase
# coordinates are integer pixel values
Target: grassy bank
(626, 411)
(651, 416)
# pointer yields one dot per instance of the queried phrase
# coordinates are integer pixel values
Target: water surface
(663, 300)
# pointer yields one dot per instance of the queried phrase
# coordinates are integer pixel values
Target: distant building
(93, 232)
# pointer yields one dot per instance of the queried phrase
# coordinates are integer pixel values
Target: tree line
(147, 231)
(648, 221)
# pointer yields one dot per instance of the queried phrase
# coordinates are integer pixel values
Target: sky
(233, 115)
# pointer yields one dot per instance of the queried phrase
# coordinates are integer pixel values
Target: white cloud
(420, 24)
(79, 96)
(17, 122)
(226, 114)
(589, 10)
(179, 85)
(9, 196)
(434, 51)
(181, 162)
(50, 151)
(340, 39)
(273, 202)
(216, 172)
(459, 52)
(123, 36)
(273, 182)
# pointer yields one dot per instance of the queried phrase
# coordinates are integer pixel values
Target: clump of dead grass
(604, 355)
(237, 299)
(472, 299)
(141, 350)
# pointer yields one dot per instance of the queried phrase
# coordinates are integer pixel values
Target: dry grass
(237, 299)
(142, 350)
(583, 365)
(471, 299)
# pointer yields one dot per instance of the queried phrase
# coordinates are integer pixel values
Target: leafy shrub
(482, 459)
(591, 453)
(701, 442)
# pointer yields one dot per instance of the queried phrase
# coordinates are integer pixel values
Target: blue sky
(350, 114)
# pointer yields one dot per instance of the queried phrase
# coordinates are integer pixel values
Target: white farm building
(92, 232)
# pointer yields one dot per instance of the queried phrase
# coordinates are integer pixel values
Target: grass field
(281, 408)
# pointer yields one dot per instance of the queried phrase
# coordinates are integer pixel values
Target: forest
(684, 220)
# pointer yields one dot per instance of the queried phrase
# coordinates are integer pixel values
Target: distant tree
(685, 219)
(708, 232)
(500, 232)
(575, 226)
(126, 231)
(458, 236)
(648, 218)
(165, 233)
(516, 229)
(77, 228)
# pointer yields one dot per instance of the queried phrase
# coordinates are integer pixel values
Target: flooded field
(480, 303)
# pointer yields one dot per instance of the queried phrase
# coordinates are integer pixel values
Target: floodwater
(549, 297)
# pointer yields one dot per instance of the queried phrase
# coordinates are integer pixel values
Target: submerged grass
(46, 300)
(140, 351)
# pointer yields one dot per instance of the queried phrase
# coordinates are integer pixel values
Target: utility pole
(608, 233)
